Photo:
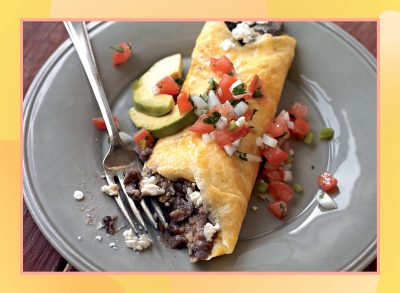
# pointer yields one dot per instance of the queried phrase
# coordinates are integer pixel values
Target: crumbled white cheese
(254, 208)
(227, 44)
(78, 195)
(210, 230)
(244, 32)
(98, 238)
(79, 238)
(149, 180)
(112, 244)
(152, 189)
(249, 23)
(259, 141)
(241, 121)
(326, 201)
(137, 243)
(287, 176)
(195, 198)
(230, 149)
(262, 22)
(221, 123)
(110, 189)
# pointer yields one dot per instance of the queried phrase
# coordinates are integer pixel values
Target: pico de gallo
(122, 52)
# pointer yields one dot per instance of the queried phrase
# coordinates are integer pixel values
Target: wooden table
(40, 41)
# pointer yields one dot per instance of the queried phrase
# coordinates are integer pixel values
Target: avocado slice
(143, 97)
(162, 126)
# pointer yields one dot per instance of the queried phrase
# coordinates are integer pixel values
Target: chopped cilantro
(239, 90)
(191, 101)
(235, 102)
(254, 112)
(117, 49)
(179, 81)
(283, 210)
(213, 84)
(257, 94)
(231, 73)
(213, 118)
(321, 196)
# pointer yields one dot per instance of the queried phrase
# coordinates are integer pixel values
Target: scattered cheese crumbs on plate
(254, 208)
(78, 195)
(98, 237)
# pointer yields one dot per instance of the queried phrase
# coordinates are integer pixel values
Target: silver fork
(119, 159)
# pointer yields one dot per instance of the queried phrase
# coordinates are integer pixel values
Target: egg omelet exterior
(225, 182)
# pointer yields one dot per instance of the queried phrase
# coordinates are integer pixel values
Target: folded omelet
(225, 182)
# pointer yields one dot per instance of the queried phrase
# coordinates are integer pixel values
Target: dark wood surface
(40, 39)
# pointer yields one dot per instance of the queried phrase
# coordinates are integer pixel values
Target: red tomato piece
(200, 127)
(122, 52)
(278, 209)
(100, 124)
(278, 127)
(255, 89)
(143, 135)
(225, 110)
(224, 94)
(184, 104)
(301, 128)
(222, 65)
(327, 182)
(248, 115)
(275, 156)
(281, 191)
(225, 136)
(168, 86)
(298, 110)
(273, 175)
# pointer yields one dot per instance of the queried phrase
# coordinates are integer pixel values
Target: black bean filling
(185, 221)
(274, 28)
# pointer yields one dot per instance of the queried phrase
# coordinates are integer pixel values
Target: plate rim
(72, 256)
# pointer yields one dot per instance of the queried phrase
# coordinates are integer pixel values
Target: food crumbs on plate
(112, 244)
(98, 238)
(110, 189)
(312, 167)
(78, 195)
(254, 208)
(79, 238)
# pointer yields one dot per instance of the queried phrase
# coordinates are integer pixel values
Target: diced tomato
(273, 175)
(327, 182)
(286, 146)
(301, 128)
(184, 104)
(275, 156)
(278, 127)
(143, 138)
(281, 191)
(224, 94)
(298, 110)
(100, 124)
(248, 115)
(221, 65)
(200, 127)
(255, 88)
(122, 52)
(269, 166)
(226, 136)
(278, 209)
(225, 110)
(168, 86)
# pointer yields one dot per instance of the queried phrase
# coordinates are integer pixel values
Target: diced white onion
(290, 124)
(291, 152)
(326, 201)
(219, 91)
(222, 122)
(241, 121)
(212, 134)
(285, 115)
(236, 143)
(241, 108)
(235, 84)
(199, 102)
(230, 149)
(253, 158)
(269, 141)
(212, 99)
(287, 176)
(155, 89)
(207, 137)
(259, 141)
(286, 167)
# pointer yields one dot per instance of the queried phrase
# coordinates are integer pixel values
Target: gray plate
(331, 73)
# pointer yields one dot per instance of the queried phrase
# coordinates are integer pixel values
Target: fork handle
(78, 33)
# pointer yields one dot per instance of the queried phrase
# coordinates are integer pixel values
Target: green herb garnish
(283, 135)
(179, 81)
(297, 188)
(262, 186)
(290, 158)
(204, 97)
(213, 118)
(142, 143)
(234, 102)
(254, 112)
(239, 90)
(191, 101)
(117, 49)
(326, 133)
(283, 210)
(309, 138)
(231, 73)
(321, 196)
(213, 84)
(232, 125)
(257, 94)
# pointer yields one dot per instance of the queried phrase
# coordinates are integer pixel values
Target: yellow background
(11, 278)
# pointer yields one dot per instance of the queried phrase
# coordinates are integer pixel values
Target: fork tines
(119, 174)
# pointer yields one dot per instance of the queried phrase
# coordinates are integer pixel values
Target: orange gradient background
(11, 277)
